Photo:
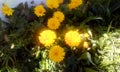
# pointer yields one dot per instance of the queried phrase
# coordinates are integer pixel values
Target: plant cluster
(57, 36)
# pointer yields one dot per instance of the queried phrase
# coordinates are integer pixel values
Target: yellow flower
(59, 15)
(71, 6)
(39, 10)
(53, 23)
(72, 38)
(74, 3)
(52, 4)
(78, 2)
(7, 11)
(56, 53)
(47, 37)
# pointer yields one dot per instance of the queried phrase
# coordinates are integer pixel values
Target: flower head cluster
(72, 38)
(55, 21)
(47, 37)
(7, 10)
(56, 53)
(52, 4)
(74, 3)
(39, 10)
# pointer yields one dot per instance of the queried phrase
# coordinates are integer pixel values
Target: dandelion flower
(56, 53)
(7, 10)
(39, 10)
(72, 38)
(59, 15)
(52, 4)
(53, 23)
(47, 37)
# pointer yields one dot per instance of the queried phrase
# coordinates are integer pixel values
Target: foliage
(105, 9)
(108, 51)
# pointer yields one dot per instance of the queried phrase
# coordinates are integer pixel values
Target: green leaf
(37, 54)
(89, 57)
(13, 70)
(83, 56)
(109, 27)
(89, 70)
(91, 18)
(86, 55)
